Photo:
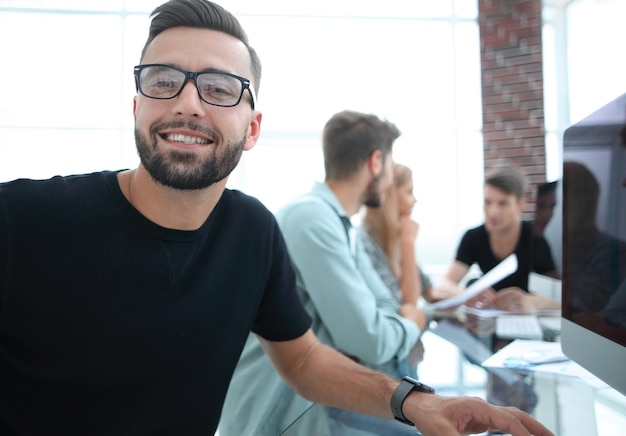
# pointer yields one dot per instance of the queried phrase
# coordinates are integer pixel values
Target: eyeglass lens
(215, 88)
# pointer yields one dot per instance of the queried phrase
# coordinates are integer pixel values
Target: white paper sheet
(515, 356)
(504, 269)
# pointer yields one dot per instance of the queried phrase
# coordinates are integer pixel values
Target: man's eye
(217, 89)
(165, 84)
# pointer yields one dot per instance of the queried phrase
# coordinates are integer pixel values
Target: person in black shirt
(502, 234)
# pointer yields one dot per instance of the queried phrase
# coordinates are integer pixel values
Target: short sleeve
(281, 314)
(464, 253)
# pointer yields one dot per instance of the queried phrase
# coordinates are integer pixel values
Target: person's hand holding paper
(504, 269)
(486, 299)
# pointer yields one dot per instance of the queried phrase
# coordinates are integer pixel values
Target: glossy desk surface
(567, 405)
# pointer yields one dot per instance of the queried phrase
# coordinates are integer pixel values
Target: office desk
(566, 405)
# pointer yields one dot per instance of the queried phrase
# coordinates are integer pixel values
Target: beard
(185, 170)
(373, 196)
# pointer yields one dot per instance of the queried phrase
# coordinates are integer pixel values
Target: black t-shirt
(533, 254)
(111, 324)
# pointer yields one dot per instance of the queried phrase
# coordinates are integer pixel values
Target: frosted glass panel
(395, 71)
(597, 65)
(43, 153)
(277, 171)
(63, 70)
(91, 5)
(357, 8)
(466, 8)
(467, 77)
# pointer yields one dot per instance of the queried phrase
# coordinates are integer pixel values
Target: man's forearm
(330, 378)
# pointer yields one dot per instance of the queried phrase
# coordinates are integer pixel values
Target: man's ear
(375, 163)
(522, 204)
(254, 130)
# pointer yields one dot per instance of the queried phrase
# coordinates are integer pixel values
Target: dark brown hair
(349, 140)
(508, 179)
(201, 14)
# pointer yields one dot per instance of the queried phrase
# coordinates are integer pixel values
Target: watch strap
(407, 385)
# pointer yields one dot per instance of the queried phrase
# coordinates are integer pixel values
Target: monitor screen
(545, 278)
(547, 229)
(594, 243)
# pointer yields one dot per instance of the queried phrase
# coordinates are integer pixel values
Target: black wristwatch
(407, 385)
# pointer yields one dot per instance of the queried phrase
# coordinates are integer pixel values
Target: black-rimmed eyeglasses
(214, 87)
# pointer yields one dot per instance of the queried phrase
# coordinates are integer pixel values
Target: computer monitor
(545, 279)
(593, 331)
(547, 220)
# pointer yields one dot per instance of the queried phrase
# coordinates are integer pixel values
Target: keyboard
(518, 327)
(552, 323)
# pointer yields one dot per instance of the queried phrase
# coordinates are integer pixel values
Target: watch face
(419, 386)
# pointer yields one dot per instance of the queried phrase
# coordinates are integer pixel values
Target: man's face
(185, 143)
(502, 210)
(379, 185)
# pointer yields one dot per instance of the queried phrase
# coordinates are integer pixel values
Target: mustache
(190, 125)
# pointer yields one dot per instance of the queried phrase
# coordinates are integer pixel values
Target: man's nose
(189, 101)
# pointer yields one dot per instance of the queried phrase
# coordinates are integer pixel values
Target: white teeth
(186, 139)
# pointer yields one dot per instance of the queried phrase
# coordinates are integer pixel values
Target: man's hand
(513, 299)
(415, 314)
(434, 415)
(485, 300)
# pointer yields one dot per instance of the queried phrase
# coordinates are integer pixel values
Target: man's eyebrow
(213, 70)
(204, 70)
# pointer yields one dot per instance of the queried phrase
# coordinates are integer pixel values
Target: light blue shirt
(352, 310)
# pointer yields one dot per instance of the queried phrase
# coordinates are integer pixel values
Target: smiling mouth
(186, 139)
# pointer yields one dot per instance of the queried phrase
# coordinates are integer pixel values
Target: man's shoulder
(309, 215)
(24, 181)
(244, 209)
(241, 199)
(57, 185)
(476, 232)
(58, 200)
(305, 206)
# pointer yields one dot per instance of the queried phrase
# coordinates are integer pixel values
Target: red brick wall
(512, 86)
